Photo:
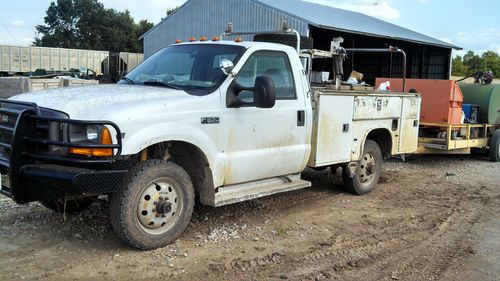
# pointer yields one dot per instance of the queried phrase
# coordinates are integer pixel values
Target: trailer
(455, 139)
(456, 117)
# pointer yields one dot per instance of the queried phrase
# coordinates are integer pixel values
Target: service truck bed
(342, 118)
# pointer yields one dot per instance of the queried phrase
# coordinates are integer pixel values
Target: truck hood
(95, 102)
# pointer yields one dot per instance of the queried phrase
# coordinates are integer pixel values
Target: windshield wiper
(130, 81)
(162, 84)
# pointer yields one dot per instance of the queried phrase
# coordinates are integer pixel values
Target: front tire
(155, 206)
(368, 171)
(495, 147)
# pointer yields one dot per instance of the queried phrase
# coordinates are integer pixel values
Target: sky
(461, 22)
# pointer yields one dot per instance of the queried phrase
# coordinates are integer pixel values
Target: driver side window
(179, 64)
(272, 64)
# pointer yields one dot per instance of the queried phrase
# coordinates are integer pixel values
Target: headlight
(90, 135)
(93, 133)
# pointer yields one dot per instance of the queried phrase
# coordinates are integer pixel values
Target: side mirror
(226, 66)
(264, 91)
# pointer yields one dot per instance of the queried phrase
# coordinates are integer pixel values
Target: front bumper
(45, 182)
(35, 172)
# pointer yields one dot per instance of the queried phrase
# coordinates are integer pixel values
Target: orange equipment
(442, 100)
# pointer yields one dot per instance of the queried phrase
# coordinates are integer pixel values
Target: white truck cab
(220, 121)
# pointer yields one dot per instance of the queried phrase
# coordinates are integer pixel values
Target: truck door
(264, 143)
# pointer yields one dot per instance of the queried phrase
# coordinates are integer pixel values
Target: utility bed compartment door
(376, 107)
(332, 133)
(410, 124)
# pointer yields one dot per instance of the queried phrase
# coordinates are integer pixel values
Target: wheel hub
(158, 206)
(163, 207)
(367, 168)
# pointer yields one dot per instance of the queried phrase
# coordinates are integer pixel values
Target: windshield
(193, 68)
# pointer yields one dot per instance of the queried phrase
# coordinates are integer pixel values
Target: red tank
(442, 100)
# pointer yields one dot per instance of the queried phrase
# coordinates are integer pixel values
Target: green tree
(118, 32)
(141, 28)
(491, 62)
(458, 67)
(91, 16)
(87, 24)
(60, 29)
(473, 62)
(171, 11)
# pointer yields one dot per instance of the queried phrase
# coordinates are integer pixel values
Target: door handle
(301, 118)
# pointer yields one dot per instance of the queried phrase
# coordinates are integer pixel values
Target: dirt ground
(431, 218)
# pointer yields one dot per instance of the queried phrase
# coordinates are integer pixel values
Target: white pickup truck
(218, 121)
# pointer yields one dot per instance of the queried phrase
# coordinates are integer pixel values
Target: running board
(246, 191)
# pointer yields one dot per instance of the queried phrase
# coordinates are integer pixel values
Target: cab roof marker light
(203, 39)
(215, 38)
(238, 40)
(178, 41)
(192, 39)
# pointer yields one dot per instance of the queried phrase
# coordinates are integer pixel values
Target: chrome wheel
(367, 169)
(159, 207)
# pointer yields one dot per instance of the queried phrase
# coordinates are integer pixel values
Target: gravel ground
(431, 218)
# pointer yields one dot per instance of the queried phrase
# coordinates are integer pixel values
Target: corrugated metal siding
(210, 18)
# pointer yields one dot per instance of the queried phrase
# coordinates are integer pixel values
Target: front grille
(42, 132)
(30, 135)
(10, 114)
(40, 137)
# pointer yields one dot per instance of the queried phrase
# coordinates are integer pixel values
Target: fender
(358, 146)
(154, 134)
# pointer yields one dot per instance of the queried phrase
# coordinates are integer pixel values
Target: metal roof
(337, 19)
(348, 21)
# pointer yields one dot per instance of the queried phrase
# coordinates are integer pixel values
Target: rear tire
(67, 205)
(368, 171)
(285, 39)
(495, 147)
(155, 206)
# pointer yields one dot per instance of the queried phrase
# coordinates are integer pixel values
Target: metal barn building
(427, 57)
